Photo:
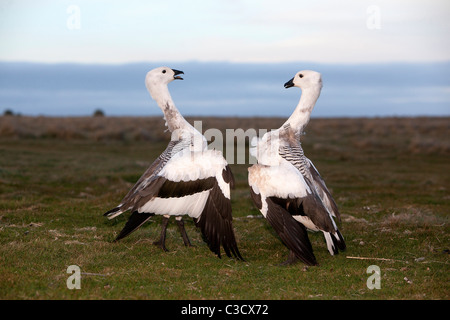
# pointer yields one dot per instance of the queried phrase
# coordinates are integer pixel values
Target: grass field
(390, 178)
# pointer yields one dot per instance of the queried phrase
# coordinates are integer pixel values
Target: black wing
(215, 221)
(292, 233)
(146, 183)
(134, 222)
(160, 188)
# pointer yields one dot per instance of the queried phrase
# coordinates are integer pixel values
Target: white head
(305, 79)
(159, 78)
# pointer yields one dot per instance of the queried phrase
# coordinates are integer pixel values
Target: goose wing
(149, 182)
(215, 221)
(193, 183)
(292, 152)
(292, 233)
(318, 206)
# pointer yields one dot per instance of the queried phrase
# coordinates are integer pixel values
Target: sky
(377, 58)
(112, 31)
(226, 89)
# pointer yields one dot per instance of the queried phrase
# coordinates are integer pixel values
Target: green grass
(394, 204)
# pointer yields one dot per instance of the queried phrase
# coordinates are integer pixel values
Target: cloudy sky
(377, 57)
(112, 31)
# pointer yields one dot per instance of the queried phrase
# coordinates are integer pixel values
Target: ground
(389, 176)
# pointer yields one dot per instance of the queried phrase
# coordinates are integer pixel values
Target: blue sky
(226, 89)
(111, 31)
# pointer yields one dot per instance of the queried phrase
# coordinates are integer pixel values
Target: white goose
(285, 185)
(186, 179)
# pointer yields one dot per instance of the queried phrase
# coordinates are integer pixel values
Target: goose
(286, 186)
(186, 179)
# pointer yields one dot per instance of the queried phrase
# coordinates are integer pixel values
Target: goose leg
(290, 260)
(162, 240)
(184, 235)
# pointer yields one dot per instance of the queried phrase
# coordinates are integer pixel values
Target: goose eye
(300, 75)
(164, 71)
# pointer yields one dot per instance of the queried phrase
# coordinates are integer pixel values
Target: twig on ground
(371, 258)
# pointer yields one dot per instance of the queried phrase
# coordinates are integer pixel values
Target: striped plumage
(287, 188)
(186, 179)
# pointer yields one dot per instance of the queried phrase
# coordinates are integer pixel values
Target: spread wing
(148, 183)
(185, 183)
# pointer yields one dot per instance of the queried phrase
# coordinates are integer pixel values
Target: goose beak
(289, 84)
(177, 72)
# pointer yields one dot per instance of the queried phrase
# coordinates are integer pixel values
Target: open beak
(177, 72)
(289, 84)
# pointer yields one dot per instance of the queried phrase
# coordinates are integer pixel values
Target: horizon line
(189, 116)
